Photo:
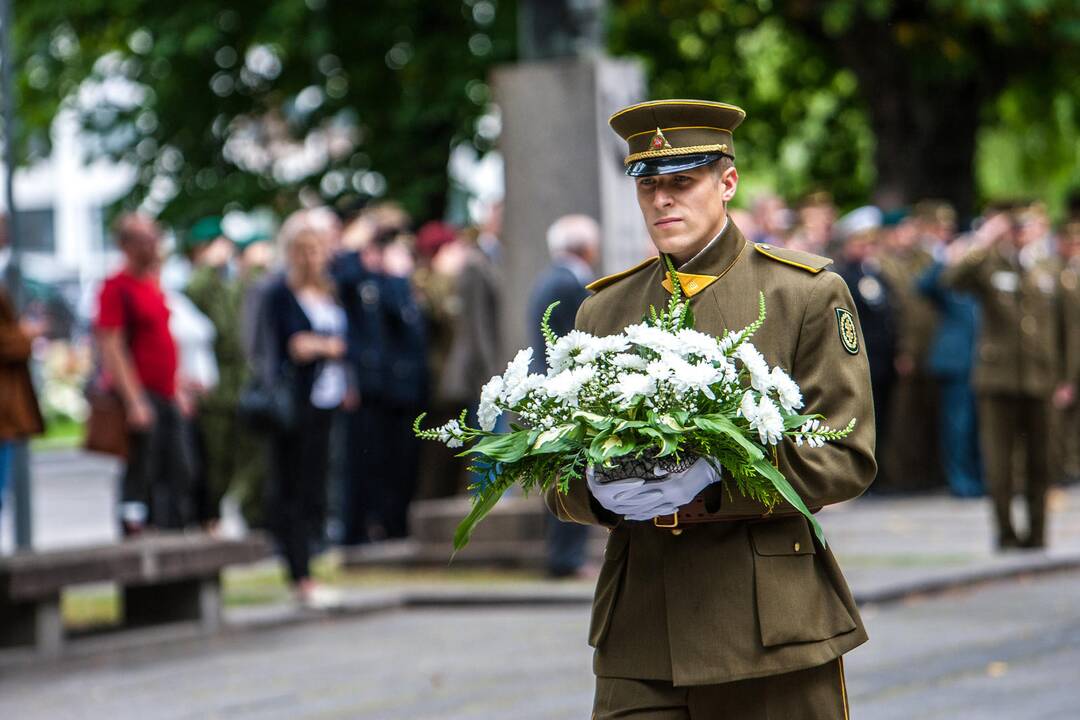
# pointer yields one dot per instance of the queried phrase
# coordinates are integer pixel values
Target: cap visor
(671, 164)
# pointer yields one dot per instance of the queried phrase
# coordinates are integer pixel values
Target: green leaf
(797, 421)
(721, 425)
(510, 447)
(481, 507)
(766, 469)
(668, 443)
(558, 439)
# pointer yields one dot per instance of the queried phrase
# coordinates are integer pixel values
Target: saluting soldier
(720, 608)
(1022, 360)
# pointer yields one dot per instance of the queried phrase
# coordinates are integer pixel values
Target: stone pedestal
(561, 157)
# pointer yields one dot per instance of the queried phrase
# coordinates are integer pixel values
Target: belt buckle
(674, 523)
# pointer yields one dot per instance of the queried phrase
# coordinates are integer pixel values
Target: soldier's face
(684, 211)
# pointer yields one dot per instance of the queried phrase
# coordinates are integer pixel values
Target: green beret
(204, 230)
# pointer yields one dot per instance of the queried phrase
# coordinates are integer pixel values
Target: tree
(238, 103)
(923, 76)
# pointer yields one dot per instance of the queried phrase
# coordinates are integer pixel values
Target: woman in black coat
(308, 331)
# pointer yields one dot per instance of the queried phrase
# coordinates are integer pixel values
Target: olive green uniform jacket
(1022, 335)
(740, 598)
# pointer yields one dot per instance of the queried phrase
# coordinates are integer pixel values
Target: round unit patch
(845, 325)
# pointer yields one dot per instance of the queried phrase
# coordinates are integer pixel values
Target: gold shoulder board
(797, 258)
(603, 282)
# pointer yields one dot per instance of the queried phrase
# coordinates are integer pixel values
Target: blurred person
(1066, 405)
(308, 328)
(440, 260)
(574, 245)
(951, 361)
(772, 220)
(913, 455)
(230, 452)
(254, 262)
(140, 358)
(860, 267)
(474, 353)
(816, 216)
(388, 355)
(21, 416)
(1020, 366)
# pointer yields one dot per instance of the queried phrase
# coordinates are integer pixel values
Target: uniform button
(676, 532)
(797, 547)
(1028, 324)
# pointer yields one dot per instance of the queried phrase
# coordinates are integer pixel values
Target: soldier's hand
(644, 499)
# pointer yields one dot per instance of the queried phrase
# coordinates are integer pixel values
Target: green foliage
(824, 83)
(393, 85)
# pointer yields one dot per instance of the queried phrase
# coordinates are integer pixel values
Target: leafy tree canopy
(251, 102)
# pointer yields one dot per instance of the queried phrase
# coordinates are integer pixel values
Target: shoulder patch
(796, 258)
(603, 282)
(845, 326)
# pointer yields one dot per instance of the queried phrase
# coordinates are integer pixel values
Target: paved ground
(1007, 651)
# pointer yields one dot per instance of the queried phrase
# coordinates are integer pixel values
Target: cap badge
(659, 142)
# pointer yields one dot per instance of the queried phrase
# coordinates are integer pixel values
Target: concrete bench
(163, 579)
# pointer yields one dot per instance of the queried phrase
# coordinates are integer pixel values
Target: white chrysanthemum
(629, 361)
(598, 346)
(561, 355)
(748, 407)
(517, 369)
(787, 391)
(631, 386)
(661, 369)
(517, 393)
(755, 364)
(653, 338)
(566, 386)
(728, 372)
(690, 377)
(489, 410)
(692, 342)
(768, 422)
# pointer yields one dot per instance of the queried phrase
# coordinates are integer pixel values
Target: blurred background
(367, 206)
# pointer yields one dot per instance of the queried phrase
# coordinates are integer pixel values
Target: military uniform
(1020, 361)
(744, 615)
(232, 456)
(913, 453)
(1068, 419)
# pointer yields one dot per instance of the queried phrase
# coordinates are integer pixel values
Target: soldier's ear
(729, 183)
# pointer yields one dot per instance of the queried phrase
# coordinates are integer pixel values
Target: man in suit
(574, 244)
(720, 607)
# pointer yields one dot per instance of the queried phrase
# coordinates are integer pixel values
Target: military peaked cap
(667, 136)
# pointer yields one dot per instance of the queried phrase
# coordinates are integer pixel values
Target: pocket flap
(785, 536)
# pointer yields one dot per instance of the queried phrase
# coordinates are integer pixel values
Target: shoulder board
(603, 282)
(796, 258)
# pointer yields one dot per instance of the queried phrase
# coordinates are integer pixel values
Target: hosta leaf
(766, 469)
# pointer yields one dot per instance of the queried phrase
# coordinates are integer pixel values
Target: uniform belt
(696, 512)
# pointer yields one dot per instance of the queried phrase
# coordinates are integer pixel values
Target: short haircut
(572, 234)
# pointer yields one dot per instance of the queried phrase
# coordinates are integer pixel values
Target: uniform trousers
(817, 693)
(1010, 424)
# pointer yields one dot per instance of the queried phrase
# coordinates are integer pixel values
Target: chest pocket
(795, 600)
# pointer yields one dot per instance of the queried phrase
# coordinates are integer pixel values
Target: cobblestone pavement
(1007, 651)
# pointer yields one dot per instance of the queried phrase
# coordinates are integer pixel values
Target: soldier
(723, 609)
(229, 452)
(913, 454)
(1066, 401)
(860, 267)
(1021, 347)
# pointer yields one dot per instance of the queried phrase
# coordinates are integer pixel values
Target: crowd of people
(284, 372)
(973, 340)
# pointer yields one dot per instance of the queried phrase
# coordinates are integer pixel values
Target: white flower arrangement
(658, 389)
